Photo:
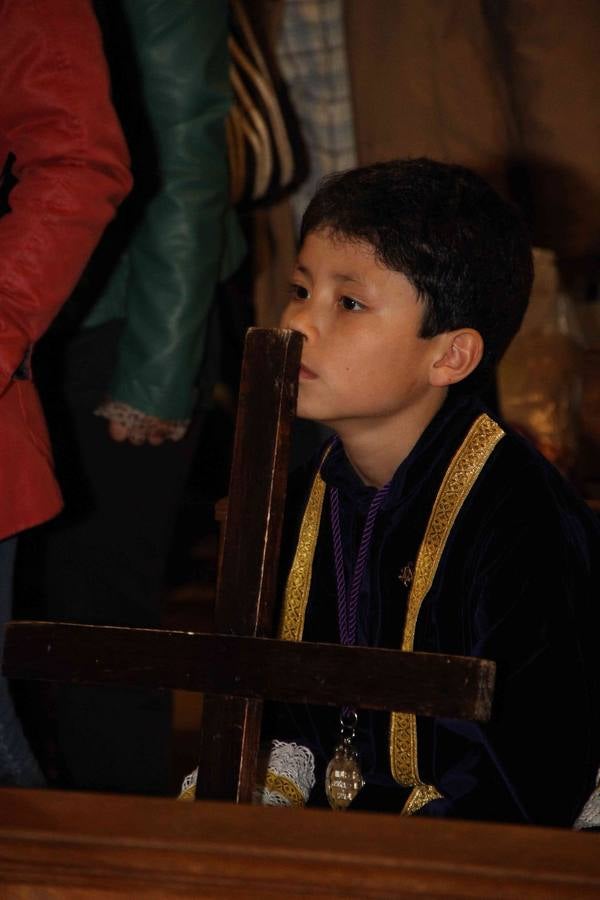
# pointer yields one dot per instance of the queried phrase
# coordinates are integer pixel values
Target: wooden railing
(69, 846)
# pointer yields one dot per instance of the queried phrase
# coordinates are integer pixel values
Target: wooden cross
(242, 664)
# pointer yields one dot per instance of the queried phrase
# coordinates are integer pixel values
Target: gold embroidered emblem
(406, 574)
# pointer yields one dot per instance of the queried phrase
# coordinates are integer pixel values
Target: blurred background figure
(65, 170)
(139, 345)
(506, 87)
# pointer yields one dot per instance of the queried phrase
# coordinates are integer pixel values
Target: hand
(155, 434)
(136, 427)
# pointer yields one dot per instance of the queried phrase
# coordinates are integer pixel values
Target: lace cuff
(290, 776)
(139, 424)
(289, 780)
(589, 817)
(188, 786)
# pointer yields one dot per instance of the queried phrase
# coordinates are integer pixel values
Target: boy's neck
(376, 447)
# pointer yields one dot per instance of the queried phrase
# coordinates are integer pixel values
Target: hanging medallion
(343, 778)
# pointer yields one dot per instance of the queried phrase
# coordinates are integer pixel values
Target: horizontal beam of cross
(250, 667)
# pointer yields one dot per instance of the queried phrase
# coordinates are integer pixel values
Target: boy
(426, 524)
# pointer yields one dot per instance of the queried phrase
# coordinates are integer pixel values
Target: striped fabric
(311, 52)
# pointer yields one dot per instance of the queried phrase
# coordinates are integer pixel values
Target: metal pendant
(343, 778)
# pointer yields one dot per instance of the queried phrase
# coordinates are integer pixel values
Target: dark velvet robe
(517, 583)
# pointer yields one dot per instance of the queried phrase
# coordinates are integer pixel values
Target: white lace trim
(188, 786)
(289, 780)
(139, 424)
(296, 764)
(290, 775)
(589, 817)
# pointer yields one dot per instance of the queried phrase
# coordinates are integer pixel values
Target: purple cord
(348, 606)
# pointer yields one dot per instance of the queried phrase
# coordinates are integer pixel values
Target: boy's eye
(298, 292)
(350, 304)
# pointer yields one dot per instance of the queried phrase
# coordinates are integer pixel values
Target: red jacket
(71, 163)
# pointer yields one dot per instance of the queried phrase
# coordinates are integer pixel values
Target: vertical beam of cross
(246, 590)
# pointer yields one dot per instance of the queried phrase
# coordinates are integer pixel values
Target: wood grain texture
(73, 846)
(250, 549)
(329, 674)
(259, 469)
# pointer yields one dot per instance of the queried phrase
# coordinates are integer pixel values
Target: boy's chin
(303, 410)
(306, 416)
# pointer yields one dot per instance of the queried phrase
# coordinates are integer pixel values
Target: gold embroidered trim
(189, 793)
(297, 587)
(279, 784)
(460, 477)
(419, 797)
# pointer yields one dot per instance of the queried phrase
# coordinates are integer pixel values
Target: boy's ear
(459, 354)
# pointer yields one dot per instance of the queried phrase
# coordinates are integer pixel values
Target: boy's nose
(300, 319)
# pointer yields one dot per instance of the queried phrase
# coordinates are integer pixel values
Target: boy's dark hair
(464, 249)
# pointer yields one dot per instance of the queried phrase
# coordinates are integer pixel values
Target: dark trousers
(17, 763)
(103, 561)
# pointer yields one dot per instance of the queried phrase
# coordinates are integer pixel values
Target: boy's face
(362, 357)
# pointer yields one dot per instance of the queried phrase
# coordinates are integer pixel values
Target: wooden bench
(68, 846)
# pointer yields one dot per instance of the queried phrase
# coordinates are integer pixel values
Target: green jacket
(188, 237)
